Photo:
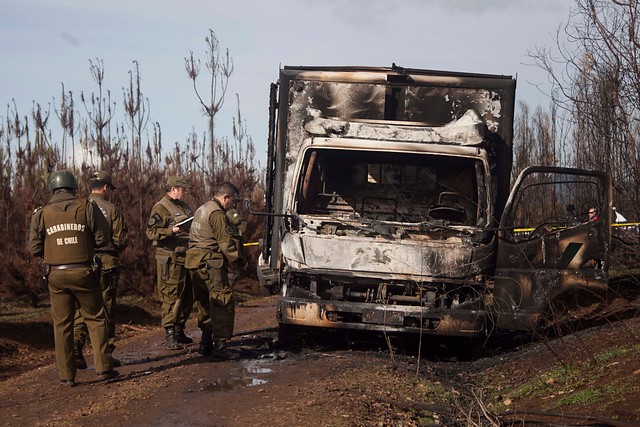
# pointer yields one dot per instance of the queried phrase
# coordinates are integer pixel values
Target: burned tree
(220, 67)
(595, 72)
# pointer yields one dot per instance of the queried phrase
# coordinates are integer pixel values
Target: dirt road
(359, 380)
(253, 384)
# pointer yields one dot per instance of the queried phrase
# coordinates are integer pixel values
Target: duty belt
(70, 266)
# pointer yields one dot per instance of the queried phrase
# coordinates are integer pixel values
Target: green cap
(177, 181)
(103, 178)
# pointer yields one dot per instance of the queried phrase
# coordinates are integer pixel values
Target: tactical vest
(201, 235)
(68, 239)
(178, 213)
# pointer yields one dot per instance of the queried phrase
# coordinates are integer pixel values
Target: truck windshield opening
(391, 186)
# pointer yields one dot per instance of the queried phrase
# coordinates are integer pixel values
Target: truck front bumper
(380, 317)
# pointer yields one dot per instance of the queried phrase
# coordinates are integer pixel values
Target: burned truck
(388, 206)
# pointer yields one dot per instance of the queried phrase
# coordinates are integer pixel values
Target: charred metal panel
(450, 259)
(447, 104)
(484, 254)
(467, 130)
(383, 317)
(366, 94)
(520, 300)
(429, 96)
(344, 100)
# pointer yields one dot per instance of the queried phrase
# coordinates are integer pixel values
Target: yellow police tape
(617, 224)
(625, 224)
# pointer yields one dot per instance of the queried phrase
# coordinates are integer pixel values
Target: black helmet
(62, 179)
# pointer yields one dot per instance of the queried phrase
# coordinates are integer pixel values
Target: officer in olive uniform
(101, 185)
(65, 232)
(168, 227)
(214, 246)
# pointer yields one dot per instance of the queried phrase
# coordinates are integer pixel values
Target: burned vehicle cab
(384, 185)
(385, 239)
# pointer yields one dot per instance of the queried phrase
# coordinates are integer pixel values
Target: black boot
(114, 362)
(206, 344)
(181, 337)
(172, 343)
(77, 350)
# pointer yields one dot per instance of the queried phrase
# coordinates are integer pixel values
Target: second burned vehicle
(388, 206)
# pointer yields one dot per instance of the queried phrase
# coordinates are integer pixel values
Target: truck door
(270, 170)
(549, 243)
(267, 265)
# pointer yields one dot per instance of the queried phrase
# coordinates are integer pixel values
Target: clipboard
(184, 222)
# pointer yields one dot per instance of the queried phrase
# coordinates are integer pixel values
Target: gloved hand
(234, 217)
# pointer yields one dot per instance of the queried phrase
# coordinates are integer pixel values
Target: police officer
(65, 232)
(101, 185)
(214, 246)
(168, 227)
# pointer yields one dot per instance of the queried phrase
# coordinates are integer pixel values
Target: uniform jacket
(109, 253)
(212, 236)
(164, 215)
(67, 229)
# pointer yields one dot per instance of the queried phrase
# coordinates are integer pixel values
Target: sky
(45, 43)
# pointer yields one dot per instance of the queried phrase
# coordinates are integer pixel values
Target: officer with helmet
(65, 232)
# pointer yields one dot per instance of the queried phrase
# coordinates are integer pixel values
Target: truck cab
(386, 190)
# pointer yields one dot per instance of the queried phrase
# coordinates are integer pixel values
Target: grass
(582, 397)
(18, 313)
(242, 297)
(616, 352)
(576, 385)
(433, 392)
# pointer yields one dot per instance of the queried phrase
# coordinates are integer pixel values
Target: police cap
(102, 178)
(177, 181)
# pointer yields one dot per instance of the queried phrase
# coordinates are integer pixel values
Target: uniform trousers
(68, 289)
(109, 286)
(176, 294)
(214, 300)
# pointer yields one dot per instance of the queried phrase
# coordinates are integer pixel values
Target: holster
(46, 270)
(195, 257)
(109, 261)
(216, 263)
(163, 266)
